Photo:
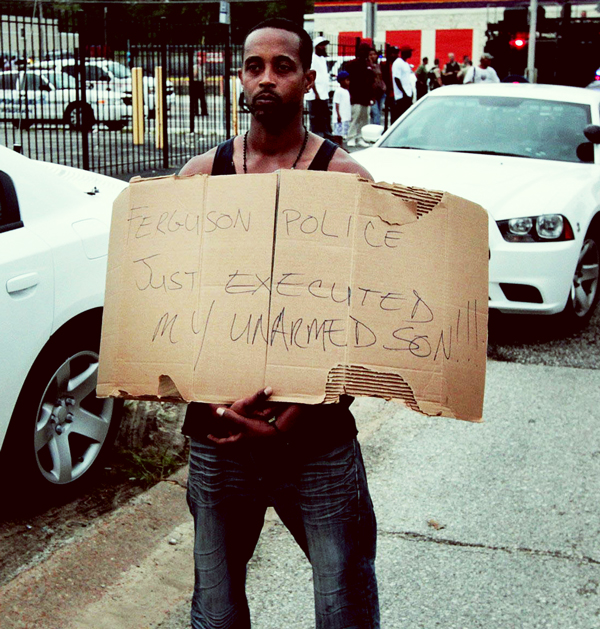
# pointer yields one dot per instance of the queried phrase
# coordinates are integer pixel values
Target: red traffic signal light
(519, 41)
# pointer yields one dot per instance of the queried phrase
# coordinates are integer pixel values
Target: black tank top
(223, 163)
(324, 426)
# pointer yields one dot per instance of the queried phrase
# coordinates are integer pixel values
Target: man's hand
(249, 417)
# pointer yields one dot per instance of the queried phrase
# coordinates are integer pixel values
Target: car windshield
(494, 125)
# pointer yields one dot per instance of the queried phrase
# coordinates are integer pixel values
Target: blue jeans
(325, 504)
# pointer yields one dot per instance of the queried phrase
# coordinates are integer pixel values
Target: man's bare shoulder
(343, 162)
(200, 165)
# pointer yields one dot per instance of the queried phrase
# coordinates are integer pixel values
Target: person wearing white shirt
(403, 90)
(318, 97)
(342, 109)
(484, 73)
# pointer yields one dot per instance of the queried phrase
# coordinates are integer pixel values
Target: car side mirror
(592, 133)
(371, 132)
(585, 152)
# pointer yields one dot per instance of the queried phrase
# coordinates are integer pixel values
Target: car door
(36, 103)
(26, 299)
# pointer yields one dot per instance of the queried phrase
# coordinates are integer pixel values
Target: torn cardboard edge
(432, 391)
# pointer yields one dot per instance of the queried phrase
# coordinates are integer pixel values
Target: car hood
(60, 188)
(505, 186)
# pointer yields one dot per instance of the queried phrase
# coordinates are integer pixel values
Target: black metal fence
(68, 99)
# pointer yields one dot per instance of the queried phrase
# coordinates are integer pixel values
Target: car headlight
(544, 228)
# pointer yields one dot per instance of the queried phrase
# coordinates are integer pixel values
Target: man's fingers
(256, 399)
(232, 416)
(221, 440)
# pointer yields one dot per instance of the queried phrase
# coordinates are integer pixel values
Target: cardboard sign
(316, 284)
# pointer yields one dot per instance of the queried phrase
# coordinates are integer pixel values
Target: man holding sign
(303, 460)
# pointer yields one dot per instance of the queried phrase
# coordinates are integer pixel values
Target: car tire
(79, 117)
(585, 288)
(60, 432)
(116, 125)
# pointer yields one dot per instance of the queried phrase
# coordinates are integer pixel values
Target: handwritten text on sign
(285, 277)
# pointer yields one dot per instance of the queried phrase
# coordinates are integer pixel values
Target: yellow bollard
(234, 103)
(158, 109)
(137, 93)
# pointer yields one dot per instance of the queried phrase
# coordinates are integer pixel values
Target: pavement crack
(555, 554)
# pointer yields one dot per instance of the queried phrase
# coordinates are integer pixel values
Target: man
(484, 73)
(421, 75)
(362, 79)
(403, 90)
(451, 70)
(318, 96)
(304, 460)
(386, 71)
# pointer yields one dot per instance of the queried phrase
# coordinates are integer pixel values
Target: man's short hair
(306, 45)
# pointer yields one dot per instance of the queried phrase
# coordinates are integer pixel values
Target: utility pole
(531, 71)
(369, 19)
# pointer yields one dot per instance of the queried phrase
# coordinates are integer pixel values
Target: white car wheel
(60, 431)
(585, 292)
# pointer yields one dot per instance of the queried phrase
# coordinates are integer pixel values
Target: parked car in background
(38, 95)
(105, 73)
(530, 155)
(54, 224)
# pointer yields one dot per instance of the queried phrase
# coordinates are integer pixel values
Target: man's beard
(274, 114)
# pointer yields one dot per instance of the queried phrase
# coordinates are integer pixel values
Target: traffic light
(519, 41)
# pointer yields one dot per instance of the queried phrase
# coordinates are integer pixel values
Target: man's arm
(200, 165)
(343, 162)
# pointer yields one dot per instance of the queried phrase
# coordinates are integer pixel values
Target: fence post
(193, 97)
(82, 97)
(165, 113)
(227, 85)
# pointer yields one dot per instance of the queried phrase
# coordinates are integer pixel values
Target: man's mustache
(268, 93)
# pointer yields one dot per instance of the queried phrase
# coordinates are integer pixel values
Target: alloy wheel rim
(585, 281)
(71, 424)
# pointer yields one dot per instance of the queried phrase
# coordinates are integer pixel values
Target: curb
(100, 579)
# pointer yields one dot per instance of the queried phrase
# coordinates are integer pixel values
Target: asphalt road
(491, 525)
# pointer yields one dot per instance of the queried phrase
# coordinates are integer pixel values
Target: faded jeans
(325, 504)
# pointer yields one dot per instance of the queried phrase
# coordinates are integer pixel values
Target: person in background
(342, 109)
(403, 90)
(302, 459)
(451, 70)
(362, 79)
(318, 97)
(386, 72)
(421, 75)
(379, 88)
(484, 73)
(435, 76)
(466, 64)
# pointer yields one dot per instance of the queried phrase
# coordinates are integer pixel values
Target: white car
(54, 225)
(38, 96)
(107, 73)
(520, 151)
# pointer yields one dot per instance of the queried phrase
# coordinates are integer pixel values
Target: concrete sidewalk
(480, 526)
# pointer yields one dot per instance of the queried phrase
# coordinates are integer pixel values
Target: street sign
(224, 12)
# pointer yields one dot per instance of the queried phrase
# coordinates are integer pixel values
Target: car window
(8, 81)
(71, 70)
(10, 217)
(523, 127)
(94, 73)
(119, 70)
(61, 80)
(34, 81)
